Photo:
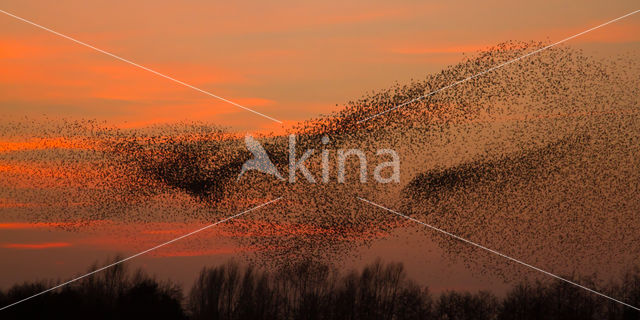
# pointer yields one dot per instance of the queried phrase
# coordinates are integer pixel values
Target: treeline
(114, 293)
(309, 291)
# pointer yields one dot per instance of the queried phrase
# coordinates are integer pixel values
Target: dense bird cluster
(538, 159)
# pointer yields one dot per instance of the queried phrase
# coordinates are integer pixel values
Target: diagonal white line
(141, 67)
(141, 253)
(497, 253)
(497, 67)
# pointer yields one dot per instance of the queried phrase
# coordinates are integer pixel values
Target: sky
(291, 60)
(286, 59)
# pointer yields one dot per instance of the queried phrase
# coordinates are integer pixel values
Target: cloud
(415, 50)
(44, 143)
(50, 225)
(201, 252)
(36, 246)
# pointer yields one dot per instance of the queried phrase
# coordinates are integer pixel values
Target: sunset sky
(291, 60)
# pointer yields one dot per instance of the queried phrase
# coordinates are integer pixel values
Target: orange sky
(287, 59)
(40, 251)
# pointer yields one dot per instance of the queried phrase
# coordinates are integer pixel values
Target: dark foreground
(309, 291)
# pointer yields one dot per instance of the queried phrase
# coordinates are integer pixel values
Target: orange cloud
(242, 228)
(43, 175)
(44, 143)
(38, 46)
(9, 203)
(40, 75)
(40, 225)
(614, 33)
(36, 246)
(205, 252)
(414, 50)
(28, 225)
(218, 240)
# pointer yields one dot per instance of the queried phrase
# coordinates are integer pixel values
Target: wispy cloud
(36, 246)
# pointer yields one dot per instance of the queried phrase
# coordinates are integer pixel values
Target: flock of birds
(538, 160)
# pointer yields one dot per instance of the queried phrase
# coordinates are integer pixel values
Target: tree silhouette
(311, 290)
